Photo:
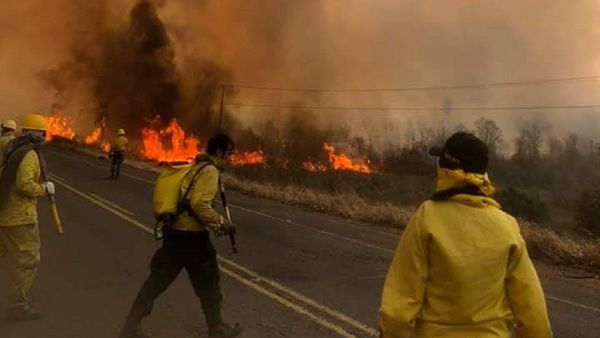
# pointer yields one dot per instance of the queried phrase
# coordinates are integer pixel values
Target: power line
(465, 108)
(425, 88)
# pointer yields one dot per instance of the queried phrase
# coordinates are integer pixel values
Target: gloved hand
(49, 187)
(225, 230)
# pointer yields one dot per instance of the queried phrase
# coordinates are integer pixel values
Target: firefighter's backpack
(168, 199)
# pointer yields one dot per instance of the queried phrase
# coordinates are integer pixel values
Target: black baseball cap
(463, 151)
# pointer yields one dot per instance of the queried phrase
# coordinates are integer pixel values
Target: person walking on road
(461, 268)
(187, 245)
(20, 187)
(9, 128)
(117, 153)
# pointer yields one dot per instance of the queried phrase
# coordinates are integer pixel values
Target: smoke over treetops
(130, 60)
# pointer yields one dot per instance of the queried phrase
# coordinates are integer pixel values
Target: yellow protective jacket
(461, 270)
(201, 198)
(4, 139)
(20, 205)
(119, 143)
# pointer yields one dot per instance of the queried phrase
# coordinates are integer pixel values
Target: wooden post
(221, 109)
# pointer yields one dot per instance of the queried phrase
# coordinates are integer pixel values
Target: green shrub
(588, 210)
(523, 204)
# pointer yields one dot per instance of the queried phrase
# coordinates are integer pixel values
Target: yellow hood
(451, 179)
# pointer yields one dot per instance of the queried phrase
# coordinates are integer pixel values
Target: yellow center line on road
(139, 178)
(101, 204)
(574, 304)
(251, 284)
(295, 307)
(333, 313)
(56, 177)
(112, 204)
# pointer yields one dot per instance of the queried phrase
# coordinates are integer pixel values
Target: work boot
(20, 313)
(224, 330)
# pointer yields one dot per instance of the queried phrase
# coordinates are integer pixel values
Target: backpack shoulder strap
(10, 167)
(190, 187)
(184, 203)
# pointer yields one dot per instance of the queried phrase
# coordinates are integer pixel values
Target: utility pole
(221, 109)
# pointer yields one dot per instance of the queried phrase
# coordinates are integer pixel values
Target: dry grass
(347, 205)
(544, 244)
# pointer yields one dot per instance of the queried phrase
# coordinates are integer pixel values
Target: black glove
(225, 230)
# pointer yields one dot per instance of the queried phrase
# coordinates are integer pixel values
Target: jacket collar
(457, 178)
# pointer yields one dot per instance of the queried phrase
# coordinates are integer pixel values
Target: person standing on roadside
(9, 128)
(461, 268)
(20, 188)
(118, 149)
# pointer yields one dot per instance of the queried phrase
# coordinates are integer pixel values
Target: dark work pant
(182, 249)
(115, 164)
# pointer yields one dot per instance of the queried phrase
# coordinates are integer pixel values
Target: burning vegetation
(168, 143)
(94, 137)
(248, 158)
(344, 162)
(171, 143)
(339, 161)
(59, 126)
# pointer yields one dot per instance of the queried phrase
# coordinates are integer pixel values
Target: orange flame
(94, 137)
(105, 146)
(169, 143)
(344, 162)
(248, 158)
(59, 126)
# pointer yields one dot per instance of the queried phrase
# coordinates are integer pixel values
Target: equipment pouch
(163, 222)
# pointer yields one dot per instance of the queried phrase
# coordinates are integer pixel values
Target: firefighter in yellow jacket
(19, 235)
(187, 245)
(118, 149)
(461, 268)
(8, 133)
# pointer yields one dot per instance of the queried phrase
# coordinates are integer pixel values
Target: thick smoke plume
(131, 76)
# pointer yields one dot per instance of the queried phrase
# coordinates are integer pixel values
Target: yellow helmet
(34, 122)
(120, 132)
(9, 124)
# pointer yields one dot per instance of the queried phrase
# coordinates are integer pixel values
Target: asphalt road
(298, 273)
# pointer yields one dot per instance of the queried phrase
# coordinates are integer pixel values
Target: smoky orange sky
(334, 44)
